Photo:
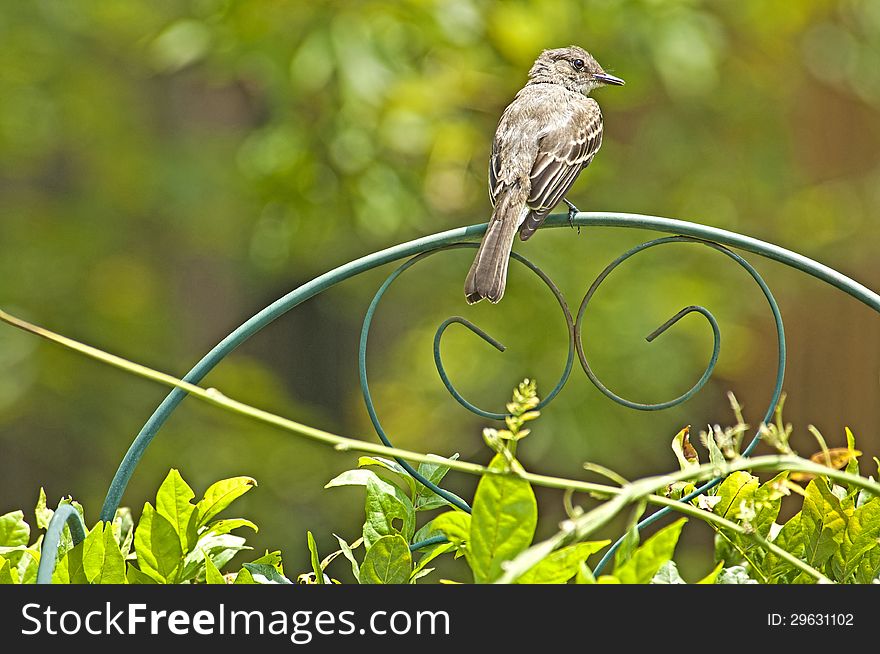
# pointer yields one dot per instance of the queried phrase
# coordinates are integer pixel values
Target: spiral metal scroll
(714, 237)
(576, 343)
(780, 366)
(362, 360)
(716, 348)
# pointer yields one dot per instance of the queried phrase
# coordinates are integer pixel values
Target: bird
(549, 133)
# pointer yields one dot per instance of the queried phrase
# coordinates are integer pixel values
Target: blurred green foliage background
(169, 168)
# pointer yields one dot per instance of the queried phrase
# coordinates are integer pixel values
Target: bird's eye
(578, 64)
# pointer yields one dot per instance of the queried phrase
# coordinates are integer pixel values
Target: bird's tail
(488, 274)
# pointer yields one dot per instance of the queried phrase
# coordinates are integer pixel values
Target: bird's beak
(605, 78)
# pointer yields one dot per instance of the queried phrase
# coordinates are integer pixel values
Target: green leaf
(212, 574)
(219, 527)
(174, 503)
(668, 574)
(426, 531)
(8, 574)
(630, 540)
(503, 522)
(357, 477)
(712, 577)
(14, 530)
(716, 456)
(385, 504)
(584, 575)
(725, 551)
(135, 576)
(455, 525)
(869, 567)
(264, 573)
(388, 561)
(852, 466)
(791, 539)
(348, 554)
(28, 565)
(271, 558)
(768, 500)
(734, 548)
(102, 559)
(244, 576)
(737, 488)
(157, 545)
(61, 575)
(822, 522)
(316, 559)
(427, 557)
(419, 574)
(43, 513)
(389, 511)
(583, 526)
(608, 579)
(860, 535)
(650, 555)
(123, 529)
(69, 569)
(220, 548)
(220, 495)
(561, 565)
(425, 498)
(391, 466)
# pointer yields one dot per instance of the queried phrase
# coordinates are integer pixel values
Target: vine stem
(340, 443)
(643, 488)
(213, 396)
(690, 509)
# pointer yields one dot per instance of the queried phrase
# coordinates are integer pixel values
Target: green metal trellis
(717, 239)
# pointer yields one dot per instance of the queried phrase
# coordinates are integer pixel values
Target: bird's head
(572, 67)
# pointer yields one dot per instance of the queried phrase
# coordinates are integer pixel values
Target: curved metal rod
(433, 540)
(569, 324)
(438, 362)
(64, 514)
(716, 347)
(323, 282)
(777, 389)
(362, 360)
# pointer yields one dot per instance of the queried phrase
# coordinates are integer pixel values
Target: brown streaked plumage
(546, 136)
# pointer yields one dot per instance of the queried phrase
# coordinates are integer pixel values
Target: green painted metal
(716, 332)
(306, 291)
(362, 359)
(438, 336)
(64, 514)
(777, 387)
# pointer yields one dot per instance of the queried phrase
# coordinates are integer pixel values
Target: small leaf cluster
(521, 410)
(500, 526)
(176, 540)
(835, 536)
(19, 560)
(836, 531)
(393, 500)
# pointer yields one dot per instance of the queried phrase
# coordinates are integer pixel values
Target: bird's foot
(572, 213)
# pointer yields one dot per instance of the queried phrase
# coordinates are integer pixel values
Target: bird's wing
(563, 152)
(494, 172)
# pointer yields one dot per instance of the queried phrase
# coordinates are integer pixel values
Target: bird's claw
(572, 213)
